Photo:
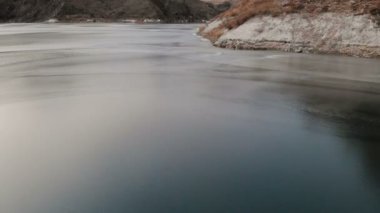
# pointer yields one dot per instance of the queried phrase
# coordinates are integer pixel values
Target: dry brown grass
(241, 13)
(215, 34)
(247, 9)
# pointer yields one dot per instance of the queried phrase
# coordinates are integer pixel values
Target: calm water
(151, 118)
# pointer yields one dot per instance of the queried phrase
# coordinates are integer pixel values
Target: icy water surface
(107, 118)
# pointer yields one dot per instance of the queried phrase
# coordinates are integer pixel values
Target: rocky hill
(350, 27)
(109, 10)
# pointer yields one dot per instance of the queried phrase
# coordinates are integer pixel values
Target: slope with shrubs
(109, 10)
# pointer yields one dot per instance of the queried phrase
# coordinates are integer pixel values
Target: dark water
(150, 118)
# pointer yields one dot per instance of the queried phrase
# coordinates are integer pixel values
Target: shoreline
(301, 27)
(125, 21)
(329, 33)
(359, 51)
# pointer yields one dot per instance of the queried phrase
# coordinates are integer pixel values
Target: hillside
(110, 10)
(221, 1)
(315, 26)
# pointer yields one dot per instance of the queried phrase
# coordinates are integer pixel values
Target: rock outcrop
(349, 27)
(109, 10)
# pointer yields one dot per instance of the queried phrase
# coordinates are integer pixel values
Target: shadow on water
(340, 92)
(355, 117)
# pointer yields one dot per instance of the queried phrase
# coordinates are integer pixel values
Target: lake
(115, 118)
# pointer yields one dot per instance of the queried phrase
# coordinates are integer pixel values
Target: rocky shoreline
(343, 31)
(349, 50)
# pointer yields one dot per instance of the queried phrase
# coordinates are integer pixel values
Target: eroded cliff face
(350, 27)
(110, 10)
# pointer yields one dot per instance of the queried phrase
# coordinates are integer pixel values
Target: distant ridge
(110, 10)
